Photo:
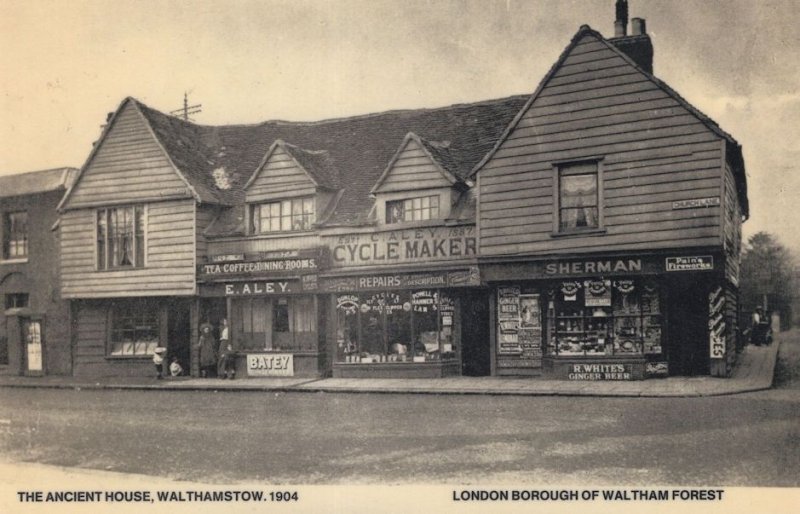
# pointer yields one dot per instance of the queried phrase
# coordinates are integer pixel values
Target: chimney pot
(638, 27)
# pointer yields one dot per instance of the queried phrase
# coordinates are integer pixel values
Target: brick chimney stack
(638, 45)
(621, 23)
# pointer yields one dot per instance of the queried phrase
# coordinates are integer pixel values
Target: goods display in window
(604, 317)
(395, 327)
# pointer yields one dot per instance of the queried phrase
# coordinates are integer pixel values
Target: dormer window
(412, 209)
(284, 216)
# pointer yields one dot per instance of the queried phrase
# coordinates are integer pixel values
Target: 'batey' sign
(401, 246)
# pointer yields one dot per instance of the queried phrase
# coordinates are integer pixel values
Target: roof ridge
(341, 118)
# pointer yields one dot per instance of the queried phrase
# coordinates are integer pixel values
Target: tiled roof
(318, 164)
(34, 182)
(351, 152)
(441, 154)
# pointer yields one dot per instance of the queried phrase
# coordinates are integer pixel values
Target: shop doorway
(179, 332)
(688, 327)
(32, 339)
(475, 347)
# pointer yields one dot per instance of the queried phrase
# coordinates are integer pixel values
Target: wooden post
(194, 338)
(493, 330)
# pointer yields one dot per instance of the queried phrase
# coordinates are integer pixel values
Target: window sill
(125, 268)
(413, 224)
(579, 233)
(14, 261)
(129, 357)
(282, 233)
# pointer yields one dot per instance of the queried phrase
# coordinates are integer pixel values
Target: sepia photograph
(419, 255)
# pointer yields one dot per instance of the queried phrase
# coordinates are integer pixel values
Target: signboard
(597, 267)
(598, 293)
(402, 246)
(508, 321)
(280, 263)
(530, 327)
(697, 202)
(691, 263)
(716, 323)
(458, 278)
(234, 257)
(251, 288)
(270, 364)
(656, 369)
(593, 267)
(595, 372)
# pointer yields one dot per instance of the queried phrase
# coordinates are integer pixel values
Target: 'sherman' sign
(593, 267)
(693, 263)
(403, 246)
(600, 372)
(270, 365)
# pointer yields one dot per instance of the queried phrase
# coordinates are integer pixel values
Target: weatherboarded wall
(654, 152)
(130, 166)
(170, 255)
(280, 178)
(412, 170)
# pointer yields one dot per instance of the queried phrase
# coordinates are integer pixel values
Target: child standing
(175, 368)
(158, 361)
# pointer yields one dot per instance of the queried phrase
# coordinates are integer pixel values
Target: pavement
(754, 371)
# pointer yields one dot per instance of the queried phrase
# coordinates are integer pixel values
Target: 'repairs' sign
(457, 278)
(402, 246)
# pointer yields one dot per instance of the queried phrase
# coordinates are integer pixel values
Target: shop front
(275, 321)
(402, 325)
(624, 317)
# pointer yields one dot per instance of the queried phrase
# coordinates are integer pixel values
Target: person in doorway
(158, 361)
(208, 352)
(227, 361)
(757, 327)
(175, 368)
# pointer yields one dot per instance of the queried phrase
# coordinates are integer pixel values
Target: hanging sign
(598, 293)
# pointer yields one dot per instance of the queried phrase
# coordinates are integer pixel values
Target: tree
(767, 276)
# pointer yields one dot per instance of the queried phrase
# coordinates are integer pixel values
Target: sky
(65, 65)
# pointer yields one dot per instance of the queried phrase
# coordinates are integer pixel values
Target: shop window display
(395, 326)
(604, 317)
(282, 323)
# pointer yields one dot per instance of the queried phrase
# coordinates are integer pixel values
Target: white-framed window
(579, 196)
(412, 209)
(283, 216)
(133, 329)
(120, 237)
(15, 235)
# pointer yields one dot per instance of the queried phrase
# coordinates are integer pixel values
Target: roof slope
(349, 152)
(34, 182)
